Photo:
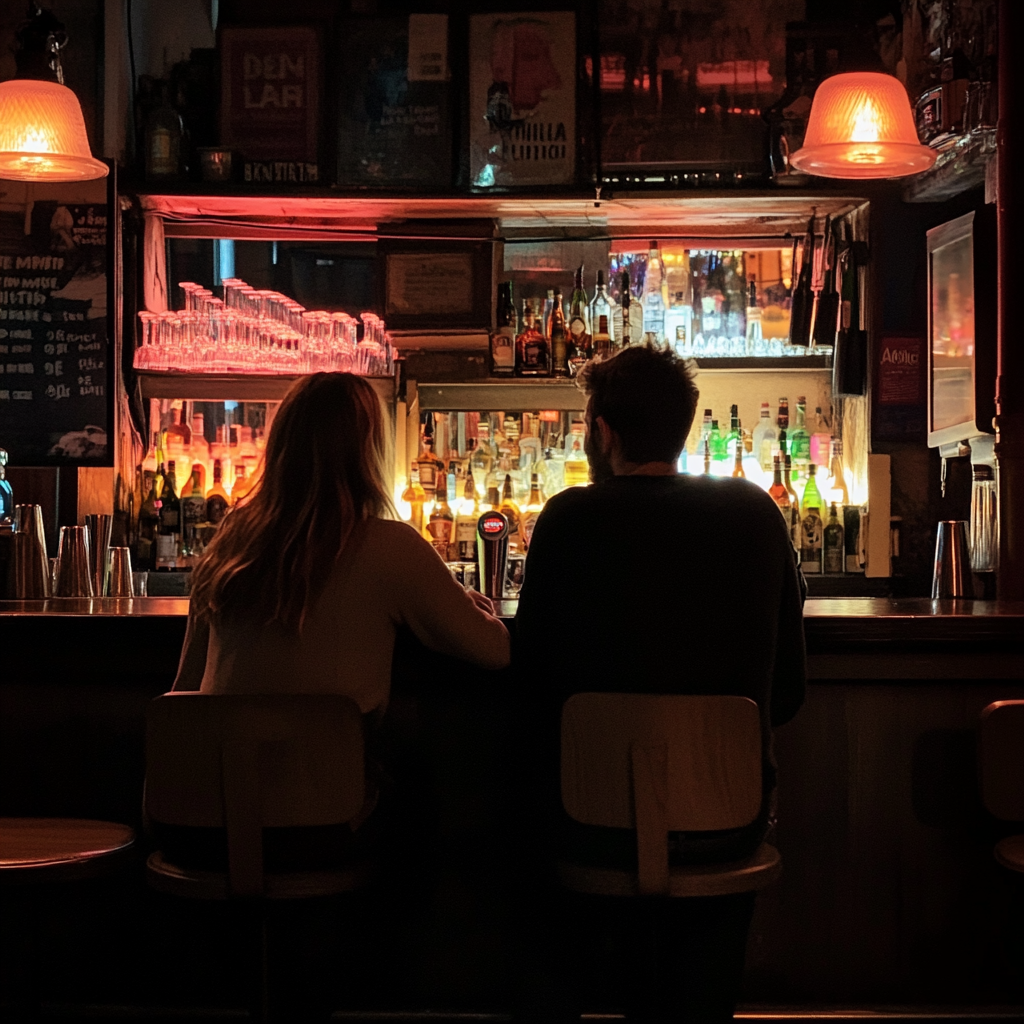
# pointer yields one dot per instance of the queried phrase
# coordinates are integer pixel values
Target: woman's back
(386, 576)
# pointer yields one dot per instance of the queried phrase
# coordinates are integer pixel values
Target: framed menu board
(56, 301)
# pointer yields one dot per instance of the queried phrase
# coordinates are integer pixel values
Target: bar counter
(889, 894)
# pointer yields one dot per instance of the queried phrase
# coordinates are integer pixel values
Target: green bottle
(717, 443)
(800, 439)
(734, 429)
(812, 496)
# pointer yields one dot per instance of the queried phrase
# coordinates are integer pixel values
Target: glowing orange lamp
(861, 126)
(42, 134)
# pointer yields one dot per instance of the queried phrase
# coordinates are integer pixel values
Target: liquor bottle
(811, 496)
(602, 305)
(465, 522)
(707, 457)
(414, 496)
(705, 429)
(493, 498)
(149, 525)
(838, 479)
(579, 325)
(193, 504)
(441, 524)
(544, 326)
(653, 303)
(800, 439)
(783, 444)
(821, 440)
(430, 465)
(787, 479)
(482, 459)
(533, 354)
(810, 541)
(716, 442)
(532, 509)
(782, 419)
(6, 491)
(737, 466)
(199, 449)
(834, 543)
(779, 493)
(557, 332)
(765, 437)
(576, 469)
(170, 523)
(503, 338)
(632, 326)
(735, 433)
(850, 356)
(755, 334)
(178, 435)
(163, 140)
(217, 500)
(513, 515)
(241, 486)
(602, 339)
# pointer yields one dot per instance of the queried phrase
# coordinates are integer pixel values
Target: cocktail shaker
(952, 574)
(119, 573)
(28, 573)
(74, 573)
(99, 527)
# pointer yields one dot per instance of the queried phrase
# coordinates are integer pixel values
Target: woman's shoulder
(391, 536)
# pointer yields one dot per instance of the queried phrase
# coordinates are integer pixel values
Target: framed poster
(394, 102)
(430, 284)
(522, 95)
(270, 95)
(56, 303)
(899, 407)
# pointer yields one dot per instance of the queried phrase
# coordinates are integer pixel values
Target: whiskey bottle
(779, 493)
(557, 333)
(217, 500)
(513, 515)
(431, 467)
(503, 339)
(193, 505)
(415, 497)
(531, 510)
(834, 543)
(576, 468)
(442, 523)
(579, 325)
(602, 305)
(465, 522)
(482, 459)
(602, 339)
(533, 354)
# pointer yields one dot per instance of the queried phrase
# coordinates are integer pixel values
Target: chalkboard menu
(56, 365)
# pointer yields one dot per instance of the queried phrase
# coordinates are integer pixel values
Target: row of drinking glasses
(712, 347)
(254, 330)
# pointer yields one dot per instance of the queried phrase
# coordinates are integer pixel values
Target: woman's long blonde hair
(323, 474)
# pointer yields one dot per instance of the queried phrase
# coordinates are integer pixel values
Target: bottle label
(166, 550)
(169, 518)
(503, 352)
(193, 510)
(216, 507)
(465, 538)
(834, 557)
(577, 328)
(428, 477)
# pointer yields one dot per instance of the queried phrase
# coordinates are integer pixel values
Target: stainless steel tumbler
(119, 573)
(29, 569)
(952, 574)
(74, 573)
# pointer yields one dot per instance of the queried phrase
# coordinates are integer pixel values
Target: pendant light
(861, 126)
(42, 131)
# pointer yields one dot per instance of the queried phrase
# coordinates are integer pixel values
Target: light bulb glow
(866, 123)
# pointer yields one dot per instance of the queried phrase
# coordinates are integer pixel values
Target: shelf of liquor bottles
(239, 387)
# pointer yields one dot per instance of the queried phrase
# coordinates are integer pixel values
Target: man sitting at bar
(652, 582)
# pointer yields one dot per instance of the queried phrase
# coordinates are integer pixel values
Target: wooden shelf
(233, 387)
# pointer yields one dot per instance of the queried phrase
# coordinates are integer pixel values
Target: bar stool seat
(38, 850)
(1010, 853)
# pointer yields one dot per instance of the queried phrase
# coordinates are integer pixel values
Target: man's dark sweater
(660, 584)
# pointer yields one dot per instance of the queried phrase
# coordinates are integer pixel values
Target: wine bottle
(503, 338)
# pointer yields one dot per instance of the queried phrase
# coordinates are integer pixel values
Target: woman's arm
(193, 654)
(437, 609)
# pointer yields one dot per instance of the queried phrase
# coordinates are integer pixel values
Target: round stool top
(38, 849)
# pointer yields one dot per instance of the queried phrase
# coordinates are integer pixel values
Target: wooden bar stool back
(249, 762)
(658, 764)
(1001, 773)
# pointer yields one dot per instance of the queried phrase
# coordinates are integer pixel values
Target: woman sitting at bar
(307, 580)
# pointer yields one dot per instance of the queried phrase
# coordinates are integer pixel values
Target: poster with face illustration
(522, 99)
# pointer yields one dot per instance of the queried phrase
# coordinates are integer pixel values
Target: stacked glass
(254, 330)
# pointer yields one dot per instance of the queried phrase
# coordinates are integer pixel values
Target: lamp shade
(42, 134)
(861, 126)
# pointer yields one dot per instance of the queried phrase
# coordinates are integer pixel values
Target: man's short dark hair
(647, 395)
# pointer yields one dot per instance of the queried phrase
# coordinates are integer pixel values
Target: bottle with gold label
(513, 515)
(441, 524)
(533, 354)
(532, 509)
(465, 522)
(557, 334)
(579, 325)
(576, 468)
(414, 496)
(431, 467)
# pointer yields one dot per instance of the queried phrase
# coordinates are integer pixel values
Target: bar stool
(1001, 773)
(246, 763)
(657, 764)
(41, 851)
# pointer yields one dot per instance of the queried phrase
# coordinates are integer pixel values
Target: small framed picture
(433, 285)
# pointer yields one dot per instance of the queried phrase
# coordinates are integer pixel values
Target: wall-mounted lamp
(42, 131)
(861, 126)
